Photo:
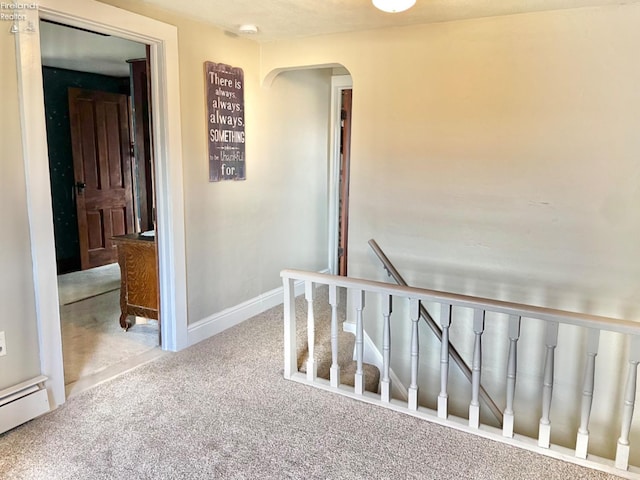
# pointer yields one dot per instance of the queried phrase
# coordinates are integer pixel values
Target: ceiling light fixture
(393, 6)
(248, 29)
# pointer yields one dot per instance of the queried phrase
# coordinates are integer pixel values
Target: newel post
(312, 366)
(290, 360)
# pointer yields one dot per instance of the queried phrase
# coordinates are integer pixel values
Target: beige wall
(498, 157)
(241, 234)
(16, 280)
(502, 153)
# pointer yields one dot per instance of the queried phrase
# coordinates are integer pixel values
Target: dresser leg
(124, 322)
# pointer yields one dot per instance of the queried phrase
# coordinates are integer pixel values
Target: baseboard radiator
(23, 402)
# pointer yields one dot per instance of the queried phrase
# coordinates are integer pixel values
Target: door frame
(167, 144)
(338, 84)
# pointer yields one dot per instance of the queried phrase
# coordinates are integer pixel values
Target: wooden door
(345, 150)
(142, 174)
(101, 145)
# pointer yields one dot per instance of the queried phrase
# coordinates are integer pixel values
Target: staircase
(322, 344)
(316, 320)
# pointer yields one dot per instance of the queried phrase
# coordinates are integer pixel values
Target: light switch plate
(3, 344)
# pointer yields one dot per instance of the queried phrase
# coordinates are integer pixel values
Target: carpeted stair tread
(322, 344)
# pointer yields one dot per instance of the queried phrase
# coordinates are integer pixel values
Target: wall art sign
(225, 121)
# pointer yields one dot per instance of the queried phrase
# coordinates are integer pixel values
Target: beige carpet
(76, 286)
(322, 330)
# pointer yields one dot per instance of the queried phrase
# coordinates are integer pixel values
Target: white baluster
(445, 323)
(622, 452)
(385, 383)
(359, 377)
(290, 357)
(414, 312)
(551, 341)
(512, 368)
(334, 374)
(312, 366)
(582, 441)
(476, 368)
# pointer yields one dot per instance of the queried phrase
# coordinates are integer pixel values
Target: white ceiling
(277, 19)
(73, 49)
(286, 19)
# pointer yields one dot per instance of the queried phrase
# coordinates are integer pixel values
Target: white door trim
(338, 84)
(163, 40)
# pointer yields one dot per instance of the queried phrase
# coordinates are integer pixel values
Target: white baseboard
(373, 356)
(219, 322)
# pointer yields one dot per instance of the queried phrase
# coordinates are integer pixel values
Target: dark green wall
(56, 105)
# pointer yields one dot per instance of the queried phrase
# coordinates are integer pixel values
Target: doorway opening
(345, 162)
(341, 112)
(167, 138)
(98, 121)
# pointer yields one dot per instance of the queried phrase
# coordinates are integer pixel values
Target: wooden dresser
(139, 277)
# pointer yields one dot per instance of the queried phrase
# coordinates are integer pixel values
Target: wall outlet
(3, 344)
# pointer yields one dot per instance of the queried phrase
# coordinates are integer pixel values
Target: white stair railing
(439, 333)
(512, 367)
(388, 295)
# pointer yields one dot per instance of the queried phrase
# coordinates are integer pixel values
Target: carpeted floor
(222, 410)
